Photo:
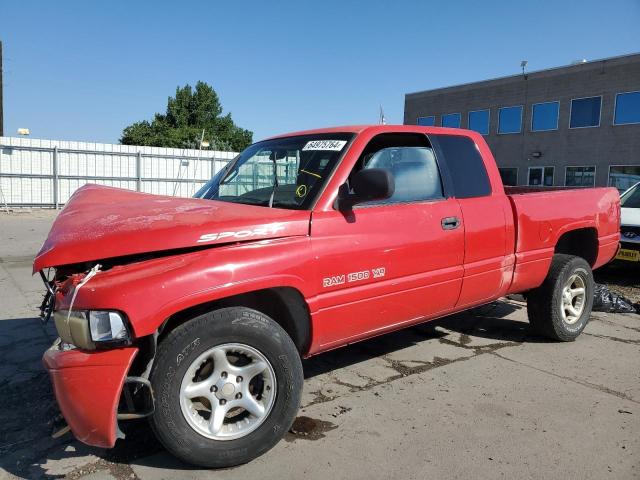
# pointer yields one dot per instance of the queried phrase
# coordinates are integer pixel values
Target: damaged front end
(88, 387)
(99, 372)
(108, 258)
(49, 301)
(88, 329)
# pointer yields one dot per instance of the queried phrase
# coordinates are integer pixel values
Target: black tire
(544, 303)
(190, 340)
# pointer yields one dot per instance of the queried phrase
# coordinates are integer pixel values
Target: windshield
(284, 172)
(631, 199)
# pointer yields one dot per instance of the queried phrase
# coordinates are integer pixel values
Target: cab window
(411, 160)
(465, 165)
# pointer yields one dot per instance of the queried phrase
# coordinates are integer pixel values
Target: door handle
(450, 223)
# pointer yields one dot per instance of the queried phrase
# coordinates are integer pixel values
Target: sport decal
(240, 234)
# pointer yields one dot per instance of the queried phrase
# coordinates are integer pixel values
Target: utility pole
(1, 106)
(4, 200)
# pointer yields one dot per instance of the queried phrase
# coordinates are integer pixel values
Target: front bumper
(87, 386)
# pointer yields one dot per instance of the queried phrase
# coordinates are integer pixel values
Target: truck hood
(103, 222)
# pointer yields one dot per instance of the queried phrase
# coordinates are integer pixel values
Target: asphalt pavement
(474, 395)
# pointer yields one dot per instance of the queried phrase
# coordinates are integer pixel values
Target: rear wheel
(560, 308)
(228, 387)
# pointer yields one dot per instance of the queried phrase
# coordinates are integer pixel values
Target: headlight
(107, 326)
(91, 329)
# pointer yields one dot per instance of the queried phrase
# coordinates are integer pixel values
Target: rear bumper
(87, 387)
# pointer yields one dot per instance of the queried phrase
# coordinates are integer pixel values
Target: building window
(509, 176)
(479, 121)
(624, 176)
(585, 112)
(451, 120)
(429, 121)
(627, 108)
(510, 119)
(580, 176)
(544, 116)
(540, 176)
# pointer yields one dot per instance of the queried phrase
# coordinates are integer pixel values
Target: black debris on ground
(622, 278)
(604, 300)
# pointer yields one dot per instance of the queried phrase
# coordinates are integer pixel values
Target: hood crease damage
(115, 226)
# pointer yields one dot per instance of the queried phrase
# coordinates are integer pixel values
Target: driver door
(388, 263)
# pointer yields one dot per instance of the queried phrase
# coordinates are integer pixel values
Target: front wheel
(228, 386)
(560, 308)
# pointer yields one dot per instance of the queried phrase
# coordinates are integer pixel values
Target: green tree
(187, 114)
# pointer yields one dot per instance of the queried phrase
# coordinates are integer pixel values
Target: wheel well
(582, 242)
(285, 305)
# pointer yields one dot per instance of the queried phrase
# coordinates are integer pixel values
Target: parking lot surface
(473, 395)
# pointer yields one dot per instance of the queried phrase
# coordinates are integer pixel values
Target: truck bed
(542, 215)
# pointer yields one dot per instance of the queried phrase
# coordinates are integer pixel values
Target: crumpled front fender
(87, 386)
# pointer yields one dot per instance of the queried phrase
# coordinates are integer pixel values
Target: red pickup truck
(197, 312)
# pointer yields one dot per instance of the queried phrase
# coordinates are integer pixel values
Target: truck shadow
(27, 405)
(487, 322)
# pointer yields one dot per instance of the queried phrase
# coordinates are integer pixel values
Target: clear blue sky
(83, 70)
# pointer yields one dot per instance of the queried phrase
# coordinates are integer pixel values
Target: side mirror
(368, 184)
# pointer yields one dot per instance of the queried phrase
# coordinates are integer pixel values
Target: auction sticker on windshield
(333, 145)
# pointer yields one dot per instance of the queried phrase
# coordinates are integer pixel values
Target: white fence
(44, 173)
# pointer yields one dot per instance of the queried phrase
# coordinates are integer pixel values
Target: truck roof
(376, 129)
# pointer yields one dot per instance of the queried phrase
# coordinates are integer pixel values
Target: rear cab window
(464, 163)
